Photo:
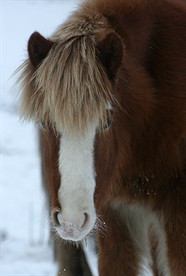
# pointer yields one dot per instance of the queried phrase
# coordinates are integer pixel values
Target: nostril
(55, 219)
(86, 220)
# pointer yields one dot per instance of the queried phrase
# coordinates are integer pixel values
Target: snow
(24, 231)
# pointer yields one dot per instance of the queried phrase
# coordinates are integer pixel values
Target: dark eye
(42, 125)
(108, 122)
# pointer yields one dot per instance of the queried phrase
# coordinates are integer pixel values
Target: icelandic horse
(110, 84)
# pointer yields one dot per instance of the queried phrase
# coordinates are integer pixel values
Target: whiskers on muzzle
(99, 227)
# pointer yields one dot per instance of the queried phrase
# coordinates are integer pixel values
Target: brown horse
(110, 82)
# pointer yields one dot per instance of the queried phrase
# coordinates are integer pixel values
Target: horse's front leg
(118, 252)
(71, 260)
(175, 228)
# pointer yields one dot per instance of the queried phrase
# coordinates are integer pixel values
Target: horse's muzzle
(72, 228)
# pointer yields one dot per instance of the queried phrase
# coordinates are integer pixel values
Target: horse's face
(76, 165)
(75, 216)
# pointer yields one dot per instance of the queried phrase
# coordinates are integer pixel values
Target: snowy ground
(24, 233)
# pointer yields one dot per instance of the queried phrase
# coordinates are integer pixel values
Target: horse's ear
(38, 48)
(110, 51)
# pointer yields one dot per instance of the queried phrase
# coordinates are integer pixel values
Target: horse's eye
(42, 125)
(108, 122)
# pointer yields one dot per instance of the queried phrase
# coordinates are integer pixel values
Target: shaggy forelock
(70, 88)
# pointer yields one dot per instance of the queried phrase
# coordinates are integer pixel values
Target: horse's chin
(74, 234)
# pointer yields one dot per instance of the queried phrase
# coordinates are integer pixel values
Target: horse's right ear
(38, 48)
(110, 51)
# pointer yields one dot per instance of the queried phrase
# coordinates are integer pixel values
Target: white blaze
(76, 192)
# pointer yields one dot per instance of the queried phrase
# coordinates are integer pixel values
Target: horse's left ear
(110, 51)
(38, 48)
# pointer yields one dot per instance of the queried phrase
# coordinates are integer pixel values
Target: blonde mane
(70, 88)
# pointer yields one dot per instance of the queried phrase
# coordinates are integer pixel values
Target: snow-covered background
(24, 229)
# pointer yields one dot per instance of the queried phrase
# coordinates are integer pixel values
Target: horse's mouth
(73, 230)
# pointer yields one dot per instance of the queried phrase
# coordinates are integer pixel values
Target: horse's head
(69, 85)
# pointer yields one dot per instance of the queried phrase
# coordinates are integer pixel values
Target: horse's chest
(145, 228)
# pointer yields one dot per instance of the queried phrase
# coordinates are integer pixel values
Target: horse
(110, 83)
